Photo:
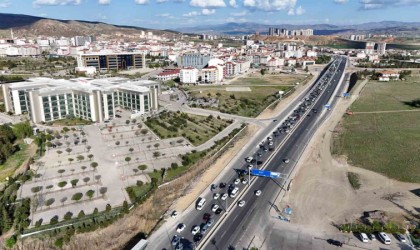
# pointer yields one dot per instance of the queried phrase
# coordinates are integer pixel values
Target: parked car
(401, 237)
(198, 237)
(224, 196)
(335, 242)
(210, 222)
(372, 236)
(174, 214)
(236, 181)
(222, 185)
(195, 230)
(219, 211)
(214, 207)
(216, 196)
(180, 227)
(363, 237)
(175, 240)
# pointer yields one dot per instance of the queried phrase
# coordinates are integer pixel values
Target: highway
(228, 227)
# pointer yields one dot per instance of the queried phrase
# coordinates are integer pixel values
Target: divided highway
(285, 145)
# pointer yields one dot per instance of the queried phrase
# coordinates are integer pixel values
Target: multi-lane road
(229, 226)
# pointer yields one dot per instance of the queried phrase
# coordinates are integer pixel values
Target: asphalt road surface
(229, 230)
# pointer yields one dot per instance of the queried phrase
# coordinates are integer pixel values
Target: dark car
(213, 186)
(198, 237)
(335, 242)
(219, 211)
(206, 216)
(222, 185)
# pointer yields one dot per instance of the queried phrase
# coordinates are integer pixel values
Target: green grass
(387, 143)
(354, 180)
(14, 161)
(270, 79)
(135, 192)
(197, 129)
(70, 122)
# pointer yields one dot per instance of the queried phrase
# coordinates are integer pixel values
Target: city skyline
(160, 14)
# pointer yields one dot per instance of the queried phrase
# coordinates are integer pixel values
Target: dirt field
(321, 194)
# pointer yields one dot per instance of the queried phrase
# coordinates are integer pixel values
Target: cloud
(208, 3)
(166, 15)
(104, 2)
(56, 2)
(203, 12)
(300, 11)
(270, 5)
(161, 1)
(141, 1)
(340, 1)
(242, 13)
(382, 4)
(5, 4)
(232, 3)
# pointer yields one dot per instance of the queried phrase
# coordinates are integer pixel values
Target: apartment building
(45, 99)
(112, 61)
(167, 75)
(197, 61)
(188, 75)
(209, 75)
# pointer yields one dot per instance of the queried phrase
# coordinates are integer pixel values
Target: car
(363, 238)
(219, 211)
(180, 227)
(197, 237)
(315, 110)
(214, 207)
(264, 149)
(335, 242)
(174, 214)
(269, 138)
(258, 192)
(372, 236)
(213, 186)
(275, 120)
(236, 181)
(204, 229)
(222, 185)
(401, 237)
(206, 216)
(241, 203)
(224, 196)
(286, 160)
(175, 240)
(244, 181)
(216, 196)
(259, 154)
(249, 159)
(270, 143)
(195, 230)
(210, 222)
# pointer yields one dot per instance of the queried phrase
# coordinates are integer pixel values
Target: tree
(6, 222)
(80, 158)
(144, 131)
(54, 220)
(95, 211)
(11, 241)
(49, 202)
(74, 182)
(137, 133)
(108, 207)
(61, 171)
(90, 156)
(68, 215)
(139, 125)
(59, 152)
(77, 196)
(131, 150)
(62, 200)
(70, 160)
(90, 193)
(68, 150)
(86, 180)
(135, 170)
(83, 168)
(133, 121)
(62, 184)
(125, 207)
(36, 189)
(156, 145)
(103, 191)
(139, 183)
(142, 168)
(97, 178)
(127, 122)
(94, 165)
(88, 148)
(156, 154)
(81, 214)
(117, 143)
(127, 159)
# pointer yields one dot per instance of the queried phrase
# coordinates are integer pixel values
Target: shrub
(59, 242)
(54, 220)
(354, 180)
(68, 215)
(77, 196)
(10, 242)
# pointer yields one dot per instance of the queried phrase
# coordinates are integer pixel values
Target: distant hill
(24, 25)
(386, 27)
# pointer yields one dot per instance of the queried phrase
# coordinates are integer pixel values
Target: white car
(224, 196)
(237, 181)
(286, 160)
(241, 203)
(258, 192)
(270, 143)
(195, 230)
(244, 181)
(174, 214)
(180, 227)
(401, 238)
(214, 207)
(364, 238)
(216, 196)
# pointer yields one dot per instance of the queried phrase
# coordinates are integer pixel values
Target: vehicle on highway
(269, 138)
(244, 181)
(213, 186)
(180, 227)
(335, 242)
(195, 230)
(258, 192)
(219, 211)
(180, 246)
(401, 238)
(174, 214)
(249, 159)
(234, 192)
(363, 237)
(270, 143)
(198, 237)
(286, 160)
(200, 203)
(241, 203)
(384, 237)
(236, 181)
(204, 229)
(206, 216)
(210, 222)
(216, 196)
(224, 196)
(315, 110)
(214, 207)
(175, 240)
(222, 185)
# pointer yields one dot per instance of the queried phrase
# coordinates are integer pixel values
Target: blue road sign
(346, 94)
(265, 173)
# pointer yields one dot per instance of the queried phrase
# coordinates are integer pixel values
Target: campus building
(45, 99)
(112, 61)
(197, 61)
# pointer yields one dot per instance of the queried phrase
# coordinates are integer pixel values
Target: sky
(169, 14)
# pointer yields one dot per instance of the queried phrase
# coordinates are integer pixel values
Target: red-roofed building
(167, 75)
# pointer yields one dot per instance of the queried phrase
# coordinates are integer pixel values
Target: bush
(10, 242)
(108, 207)
(77, 196)
(174, 165)
(59, 242)
(68, 215)
(54, 220)
(354, 180)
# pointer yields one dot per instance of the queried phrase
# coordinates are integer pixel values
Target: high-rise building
(381, 48)
(370, 48)
(112, 61)
(271, 31)
(197, 61)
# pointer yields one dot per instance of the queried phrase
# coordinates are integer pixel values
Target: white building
(46, 99)
(188, 75)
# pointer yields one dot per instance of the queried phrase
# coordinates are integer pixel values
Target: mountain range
(384, 27)
(25, 25)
